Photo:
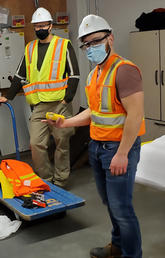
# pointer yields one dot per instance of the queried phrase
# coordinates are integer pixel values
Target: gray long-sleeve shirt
(71, 69)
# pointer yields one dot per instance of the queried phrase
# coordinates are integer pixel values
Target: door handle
(156, 77)
(161, 124)
(162, 77)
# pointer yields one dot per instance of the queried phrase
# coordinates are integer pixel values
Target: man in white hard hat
(52, 74)
(115, 114)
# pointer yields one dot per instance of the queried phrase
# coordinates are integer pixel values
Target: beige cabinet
(154, 129)
(147, 50)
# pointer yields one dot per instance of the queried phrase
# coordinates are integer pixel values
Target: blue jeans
(116, 192)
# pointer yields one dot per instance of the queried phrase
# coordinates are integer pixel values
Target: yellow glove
(53, 116)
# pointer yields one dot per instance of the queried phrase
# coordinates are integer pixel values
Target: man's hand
(3, 100)
(63, 102)
(119, 164)
(133, 105)
(59, 123)
(81, 119)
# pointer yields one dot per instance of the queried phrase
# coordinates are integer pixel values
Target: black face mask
(42, 34)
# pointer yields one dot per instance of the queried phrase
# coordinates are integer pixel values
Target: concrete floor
(73, 235)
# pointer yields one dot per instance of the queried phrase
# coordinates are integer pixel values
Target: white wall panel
(122, 15)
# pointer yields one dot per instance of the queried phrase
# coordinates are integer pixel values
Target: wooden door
(144, 47)
(27, 8)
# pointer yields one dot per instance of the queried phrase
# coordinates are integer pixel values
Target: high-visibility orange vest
(107, 113)
(22, 177)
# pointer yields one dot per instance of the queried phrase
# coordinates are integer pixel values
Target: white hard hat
(92, 23)
(41, 15)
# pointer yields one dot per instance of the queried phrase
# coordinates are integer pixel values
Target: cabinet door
(154, 129)
(144, 47)
(162, 54)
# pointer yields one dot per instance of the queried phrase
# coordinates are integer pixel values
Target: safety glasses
(41, 26)
(94, 42)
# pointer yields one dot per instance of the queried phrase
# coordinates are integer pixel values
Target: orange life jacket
(22, 177)
(107, 113)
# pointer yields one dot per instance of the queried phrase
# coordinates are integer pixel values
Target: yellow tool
(53, 116)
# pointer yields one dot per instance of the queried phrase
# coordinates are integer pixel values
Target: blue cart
(58, 199)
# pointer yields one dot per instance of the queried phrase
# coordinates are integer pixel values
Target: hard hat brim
(80, 37)
(41, 21)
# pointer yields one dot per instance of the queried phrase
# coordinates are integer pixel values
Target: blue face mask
(97, 54)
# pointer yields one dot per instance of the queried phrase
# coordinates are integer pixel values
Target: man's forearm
(134, 107)
(81, 119)
(130, 132)
(71, 89)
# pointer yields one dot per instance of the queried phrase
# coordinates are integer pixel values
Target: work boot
(109, 251)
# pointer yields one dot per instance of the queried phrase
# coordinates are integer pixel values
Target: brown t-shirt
(128, 81)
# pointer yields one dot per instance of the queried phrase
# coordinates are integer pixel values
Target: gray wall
(77, 9)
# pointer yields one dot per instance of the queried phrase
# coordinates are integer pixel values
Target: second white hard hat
(41, 15)
(92, 23)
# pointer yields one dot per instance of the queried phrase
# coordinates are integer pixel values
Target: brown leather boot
(109, 251)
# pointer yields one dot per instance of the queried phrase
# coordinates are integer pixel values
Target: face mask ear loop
(109, 51)
(49, 28)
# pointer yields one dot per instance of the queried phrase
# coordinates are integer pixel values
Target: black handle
(157, 123)
(156, 77)
(162, 77)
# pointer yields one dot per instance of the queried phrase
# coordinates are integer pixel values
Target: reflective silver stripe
(18, 69)
(100, 120)
(45, 86)
(70, 63)
(74, 76)
(105, 100)
(56, 59)
(20, 77)
(30, 50)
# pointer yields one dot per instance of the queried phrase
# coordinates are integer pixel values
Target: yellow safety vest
(48, 84)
